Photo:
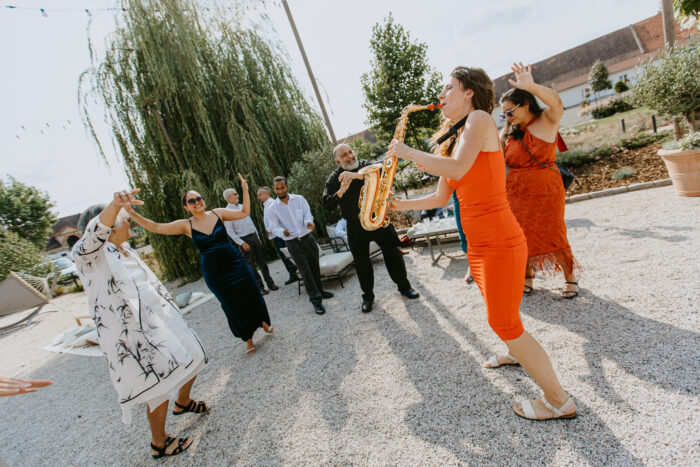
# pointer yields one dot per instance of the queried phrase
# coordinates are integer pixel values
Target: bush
(365, 150)
(624, 172)
(408, 176)
(640, 140)
(621, 87)
(670, 85)
(18, 254)
(308, 178)
(615, 105)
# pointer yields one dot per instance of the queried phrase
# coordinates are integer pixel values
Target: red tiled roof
(618, 50)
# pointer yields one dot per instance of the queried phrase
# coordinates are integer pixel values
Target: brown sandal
(569, 294)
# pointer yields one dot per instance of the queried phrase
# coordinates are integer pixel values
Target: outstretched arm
(178, 227)
(434, 200)
(524, 81)
(472, 140)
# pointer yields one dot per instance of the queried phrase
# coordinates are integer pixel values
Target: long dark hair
(484, 99)
(521, 97)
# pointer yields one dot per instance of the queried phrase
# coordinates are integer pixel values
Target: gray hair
(266, 189)
(228, 192)
(95, 210)
(337, 148)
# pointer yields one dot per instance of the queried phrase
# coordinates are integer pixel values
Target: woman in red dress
(470, 162)
(534, 186)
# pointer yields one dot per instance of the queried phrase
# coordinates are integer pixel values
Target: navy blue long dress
(229, 277)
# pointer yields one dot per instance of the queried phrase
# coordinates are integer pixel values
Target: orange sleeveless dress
(496, 245)
(537, 198)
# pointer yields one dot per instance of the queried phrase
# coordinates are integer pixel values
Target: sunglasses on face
(509, 113)
(194, 200)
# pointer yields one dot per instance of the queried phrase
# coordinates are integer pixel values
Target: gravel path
(404, 385)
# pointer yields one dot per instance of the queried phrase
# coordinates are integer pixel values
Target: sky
(42, 58)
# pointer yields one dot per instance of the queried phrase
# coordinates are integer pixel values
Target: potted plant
(670, 86)
(681, 158)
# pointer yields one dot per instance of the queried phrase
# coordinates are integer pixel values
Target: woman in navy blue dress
(225, 271)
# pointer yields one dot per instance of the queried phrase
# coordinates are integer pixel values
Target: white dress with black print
(151, 351)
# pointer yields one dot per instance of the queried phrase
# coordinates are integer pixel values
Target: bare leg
(267, 328)
(156, 420)
(535, 361)
(249, 346)
(184, 397)
(570, 290)
(529, 276)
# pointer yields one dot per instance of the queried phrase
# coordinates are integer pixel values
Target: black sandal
(179, 449)
(569, 294)
(193, 406)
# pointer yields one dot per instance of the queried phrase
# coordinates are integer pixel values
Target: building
(65, 234)
(621, 51)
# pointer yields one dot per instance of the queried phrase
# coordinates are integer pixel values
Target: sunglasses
(194, 200)
(509, 113)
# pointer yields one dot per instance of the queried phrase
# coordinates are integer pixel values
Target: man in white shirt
(245, 235)
(265, 197)
(289, 217)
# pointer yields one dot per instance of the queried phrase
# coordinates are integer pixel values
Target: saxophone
(379, 178)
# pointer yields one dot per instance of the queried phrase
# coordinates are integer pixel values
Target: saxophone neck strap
(452, 131)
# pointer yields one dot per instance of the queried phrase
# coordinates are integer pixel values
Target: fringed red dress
(536, 196)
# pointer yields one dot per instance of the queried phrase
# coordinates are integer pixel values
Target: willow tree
(191, 101)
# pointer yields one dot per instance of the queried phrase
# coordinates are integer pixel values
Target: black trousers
(256, 255)
(388, 241)
(304, 252)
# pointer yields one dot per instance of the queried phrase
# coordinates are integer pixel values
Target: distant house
(368, 136)
(620, 51)
(65, 234)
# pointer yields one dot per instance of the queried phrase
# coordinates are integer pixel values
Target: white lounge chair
(17, 295)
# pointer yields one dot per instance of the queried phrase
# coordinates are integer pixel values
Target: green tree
(687, 11)
(670, 84)
(598, 80)
(400, 75)
(18, 254)
(26, 211)
(308, 178)
(191, 101)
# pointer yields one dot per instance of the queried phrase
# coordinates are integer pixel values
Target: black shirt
(349, 209)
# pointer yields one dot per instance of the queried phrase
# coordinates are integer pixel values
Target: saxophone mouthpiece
(435, 105)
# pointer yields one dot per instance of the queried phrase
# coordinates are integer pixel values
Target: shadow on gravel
(584, 223)
(652, 351)
(463, 412)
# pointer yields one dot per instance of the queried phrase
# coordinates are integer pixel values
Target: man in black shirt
(343, 189)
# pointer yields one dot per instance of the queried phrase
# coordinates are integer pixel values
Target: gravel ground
(404, 385)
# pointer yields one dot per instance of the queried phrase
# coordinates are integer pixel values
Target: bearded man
(343, 189)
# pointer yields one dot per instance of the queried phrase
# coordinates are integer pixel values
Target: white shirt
(240, 227)
(266, 221)
(292, 216)
(341, 228)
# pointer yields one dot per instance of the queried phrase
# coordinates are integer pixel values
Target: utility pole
(311, 74)
(669, 23)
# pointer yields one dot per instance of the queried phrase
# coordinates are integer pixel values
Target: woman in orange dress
(534, 186)
(470, 162)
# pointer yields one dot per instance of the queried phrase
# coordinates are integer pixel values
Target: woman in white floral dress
(151, 352)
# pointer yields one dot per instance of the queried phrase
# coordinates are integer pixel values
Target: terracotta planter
(684, 169)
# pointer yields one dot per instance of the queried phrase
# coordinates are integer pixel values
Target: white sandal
(530, 414)
(493, 361)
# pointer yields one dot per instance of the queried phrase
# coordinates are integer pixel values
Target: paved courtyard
(404, 384)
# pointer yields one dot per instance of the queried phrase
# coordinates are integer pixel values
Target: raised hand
(126, 198)
(395, 204)
(523, 77)
(244, 182)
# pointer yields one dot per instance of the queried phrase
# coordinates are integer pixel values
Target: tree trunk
(693, 119)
